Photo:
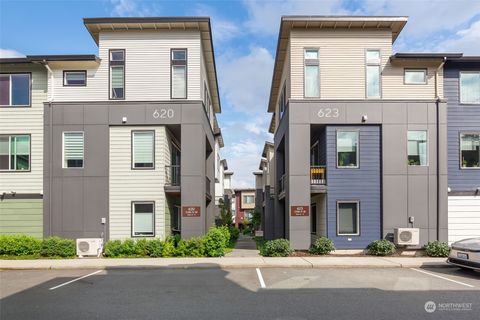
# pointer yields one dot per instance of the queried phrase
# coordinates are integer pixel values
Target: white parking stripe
(260, 278)
(437, 276)
(80, 278)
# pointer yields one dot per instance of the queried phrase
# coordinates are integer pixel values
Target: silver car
(465, 254)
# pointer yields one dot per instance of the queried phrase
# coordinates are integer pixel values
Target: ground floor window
(15, 153)
(176, 221)
(143, 219)
(313, 219)
(348, 218)
(470, 150)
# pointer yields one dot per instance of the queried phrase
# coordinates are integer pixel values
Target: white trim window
(15, 152)
(311, 73)
(470, 150)
(143, 219)
(415, 76)
(348, 218)
(73, 149)
(15, 89)
(417, 148)
(373, 75)
(179, 73)
(249, 199)
(143, 149)
(347, 149)
(470, 87)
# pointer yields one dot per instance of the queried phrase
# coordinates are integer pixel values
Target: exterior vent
(407, 236)
(89, 247)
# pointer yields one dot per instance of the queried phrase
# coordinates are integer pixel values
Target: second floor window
(15, 90)
(470, 87)
(347, 149)
(373, 59)
(143, 149)
(73, 148)
(312, 74)
(15, 153)
(470, 150)
(415, 76)
(75, 78)
(179, 73)
(248, 199)
(117, 74)
(417, 148)
(282, 103)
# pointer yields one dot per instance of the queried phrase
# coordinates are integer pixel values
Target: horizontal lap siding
(26, 121)
(21, 217)
(147, 67)
(463, 217)
(361, 184)
(127, 185)
(460, 118)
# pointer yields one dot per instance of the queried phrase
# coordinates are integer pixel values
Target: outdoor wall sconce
(124, 120)
(364, 118)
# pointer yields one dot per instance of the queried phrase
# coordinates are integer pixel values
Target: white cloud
(243, 159)
(466, 41)
(245, 80)
(222, 29)
(131, 8)
(8, 53)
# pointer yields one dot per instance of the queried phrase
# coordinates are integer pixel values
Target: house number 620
(328, 113)
(163, 113)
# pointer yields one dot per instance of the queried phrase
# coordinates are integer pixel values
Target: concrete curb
(226, 263)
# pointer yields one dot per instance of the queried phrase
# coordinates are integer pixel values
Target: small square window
(373, 56)
(117, 55)
(75, 78)
(311, 54)
(179, 55)
(415, 76)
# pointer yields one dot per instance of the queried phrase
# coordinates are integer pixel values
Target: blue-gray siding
(460, 118)
(362, 184)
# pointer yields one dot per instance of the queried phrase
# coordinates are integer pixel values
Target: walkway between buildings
(245, 247)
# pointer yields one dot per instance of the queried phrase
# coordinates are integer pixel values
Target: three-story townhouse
(462, 91)
(359, 133)
(130, 137)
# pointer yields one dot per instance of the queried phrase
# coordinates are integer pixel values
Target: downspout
(437, 114)
(50, 138)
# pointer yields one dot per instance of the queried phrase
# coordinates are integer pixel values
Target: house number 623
(328, 113)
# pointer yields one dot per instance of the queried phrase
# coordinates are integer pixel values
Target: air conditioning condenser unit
(407, 236)
(89, 247)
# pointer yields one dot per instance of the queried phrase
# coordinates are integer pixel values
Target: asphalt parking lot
(268, 293)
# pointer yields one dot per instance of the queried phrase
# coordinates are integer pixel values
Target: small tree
(256, 219)
(226, 218)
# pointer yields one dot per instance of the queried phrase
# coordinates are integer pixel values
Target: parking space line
(80, 278)
(444, 278)
(260, 279)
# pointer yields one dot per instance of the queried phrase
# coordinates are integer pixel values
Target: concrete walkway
(225, 263)
(245, 247)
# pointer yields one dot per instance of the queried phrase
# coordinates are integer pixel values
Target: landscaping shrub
(190, 248)
(215, 241)
(58, 247)
(437, 249)
(113, 248)
(322, 246)
(20, 245)
(118, 248)
(168, 249)
(247, 231)
(155, 248)
(234, 233)
(381, 248)
(276, 248)
(141, 247)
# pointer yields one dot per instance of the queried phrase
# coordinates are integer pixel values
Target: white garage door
(463, 217)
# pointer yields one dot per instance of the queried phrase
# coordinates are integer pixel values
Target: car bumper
(473, 261)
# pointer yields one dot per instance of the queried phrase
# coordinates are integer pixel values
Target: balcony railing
(318, 175)
(281, 185)
(172, 174)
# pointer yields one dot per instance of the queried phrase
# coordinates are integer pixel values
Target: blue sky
(245, 35)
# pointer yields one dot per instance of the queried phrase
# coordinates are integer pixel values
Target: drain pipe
(50, 138)
(437, 114)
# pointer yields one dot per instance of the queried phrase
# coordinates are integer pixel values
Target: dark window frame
(116, 63)
(358, 234)
(64, 166)
(132, 150)
(74, 85)
(313, 219)
(460, 133)
(132, 214)
(178, 63)
(30, 90)
(9, 155)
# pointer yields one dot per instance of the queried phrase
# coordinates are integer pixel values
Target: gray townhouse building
(123, 144)
(360, 134)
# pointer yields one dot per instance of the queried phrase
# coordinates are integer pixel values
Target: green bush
(437, 249)
(20, 245)
(58, 247)
(168, 249)
(247, 231)
(126, 248)
(234, 233)
(190, 248)
(381, 248)
(322, 246)
(216, 240)
(141, 247)
(276, 248)
(113, 248)
(155, 248)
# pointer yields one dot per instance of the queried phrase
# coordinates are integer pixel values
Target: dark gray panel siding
(460, 118)
(362, 184)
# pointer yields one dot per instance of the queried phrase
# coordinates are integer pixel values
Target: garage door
(463, 217)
